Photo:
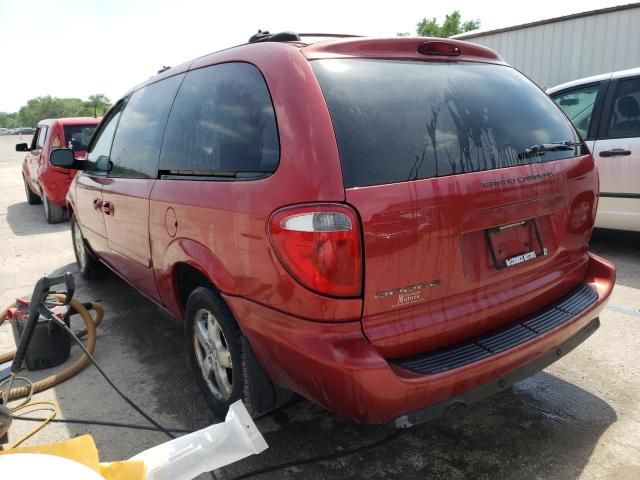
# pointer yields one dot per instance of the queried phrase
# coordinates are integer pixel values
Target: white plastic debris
(213, 447)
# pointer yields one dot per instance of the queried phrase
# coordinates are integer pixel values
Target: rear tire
(88, 265)
(32, 198)
(53, 213)
(223, 362)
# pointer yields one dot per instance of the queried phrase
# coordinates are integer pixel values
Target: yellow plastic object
(83, 450)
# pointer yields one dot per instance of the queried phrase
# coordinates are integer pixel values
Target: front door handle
(107, 208)
(616, 152)
(97, 204)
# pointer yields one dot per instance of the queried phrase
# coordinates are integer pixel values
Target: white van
(606, 111)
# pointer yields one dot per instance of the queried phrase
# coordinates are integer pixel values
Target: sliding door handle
(616, 152)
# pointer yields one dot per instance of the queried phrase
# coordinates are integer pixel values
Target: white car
(4, 131)
(606, 111)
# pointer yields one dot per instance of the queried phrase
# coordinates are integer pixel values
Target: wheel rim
(78, 246)
(45, 201)
(213, 354)
(26, 188)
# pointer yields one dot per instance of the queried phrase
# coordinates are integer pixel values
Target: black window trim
(596, 114)
(225, 176)
(608, 107)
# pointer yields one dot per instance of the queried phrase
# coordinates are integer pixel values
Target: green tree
(452, 25)
(9, 120)
(100, 104)
(39, 108)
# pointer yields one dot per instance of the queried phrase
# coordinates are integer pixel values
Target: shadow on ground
(542, 428)
(621, 248)
(25, 219)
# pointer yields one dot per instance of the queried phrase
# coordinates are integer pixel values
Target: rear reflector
(439, 48)
(320, 247)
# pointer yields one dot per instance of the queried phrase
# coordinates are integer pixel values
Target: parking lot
(578, 419)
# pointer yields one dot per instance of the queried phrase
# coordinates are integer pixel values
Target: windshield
(77, 136)
(406, 120)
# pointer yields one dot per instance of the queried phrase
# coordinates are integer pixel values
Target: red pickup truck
(44, 183)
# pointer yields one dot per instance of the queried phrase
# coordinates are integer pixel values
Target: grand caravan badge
(409, 294)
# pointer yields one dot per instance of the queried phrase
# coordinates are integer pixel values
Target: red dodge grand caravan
(384, 226)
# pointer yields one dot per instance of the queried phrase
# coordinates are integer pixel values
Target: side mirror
(566, 102)
(22, 147)
(64, 158)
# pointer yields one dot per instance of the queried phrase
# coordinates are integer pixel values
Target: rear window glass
(77, 136)
(222, 120)
(400, 120)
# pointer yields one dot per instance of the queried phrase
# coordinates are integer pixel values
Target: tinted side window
(578, 105)
(138, 139)
(222, 121)
(98, 158)
(624, 120)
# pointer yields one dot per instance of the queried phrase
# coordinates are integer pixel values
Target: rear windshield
(401, 120)
(77, 136)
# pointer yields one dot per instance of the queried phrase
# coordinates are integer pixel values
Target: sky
(76, 48)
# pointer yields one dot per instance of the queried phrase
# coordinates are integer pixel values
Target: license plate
(515, 243)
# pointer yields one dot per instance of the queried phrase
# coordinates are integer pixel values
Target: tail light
(320, 246)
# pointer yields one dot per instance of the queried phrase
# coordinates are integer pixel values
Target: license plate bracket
(515, 243)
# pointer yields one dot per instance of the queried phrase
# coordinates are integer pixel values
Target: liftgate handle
(37, 308)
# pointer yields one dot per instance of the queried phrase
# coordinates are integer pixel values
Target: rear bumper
(499, 384)
(334, 365)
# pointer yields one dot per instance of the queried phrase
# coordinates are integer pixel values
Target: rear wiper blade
(537, 150)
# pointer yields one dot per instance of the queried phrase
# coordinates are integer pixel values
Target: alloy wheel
(213, 354)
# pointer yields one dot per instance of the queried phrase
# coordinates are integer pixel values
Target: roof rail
(265, 36)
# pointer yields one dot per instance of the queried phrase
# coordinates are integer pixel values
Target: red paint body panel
(125, 208)
(42, 177)
(434, 229)
(335, 351)
(398, 48)
(336, 367)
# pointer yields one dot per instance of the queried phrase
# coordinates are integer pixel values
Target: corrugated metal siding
(566, 50)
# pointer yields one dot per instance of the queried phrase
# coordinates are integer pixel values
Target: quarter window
(98, 158)
(624, 120)
(222, 123)
(578, 105)
(136, 146)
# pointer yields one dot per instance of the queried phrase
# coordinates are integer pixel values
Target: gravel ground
(579, 418)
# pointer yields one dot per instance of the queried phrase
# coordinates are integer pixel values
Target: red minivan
(387, 227)
(44, 183)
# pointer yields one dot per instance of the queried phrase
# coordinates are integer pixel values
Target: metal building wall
(564, 50)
